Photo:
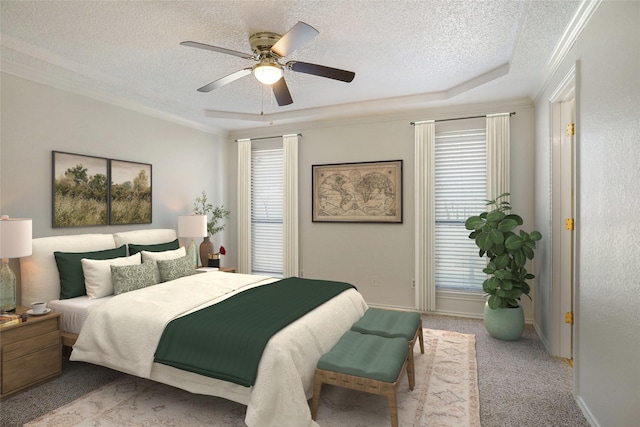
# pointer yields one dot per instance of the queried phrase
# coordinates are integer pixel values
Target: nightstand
(221, 269)
(30, 352)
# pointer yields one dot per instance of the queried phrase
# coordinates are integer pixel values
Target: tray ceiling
(406, 54)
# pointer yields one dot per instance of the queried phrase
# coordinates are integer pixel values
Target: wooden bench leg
(421, 338)
(393, 408)
(411, 372)
(317, 387)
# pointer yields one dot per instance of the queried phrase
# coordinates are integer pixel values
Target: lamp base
(7, 288)
(192, 253)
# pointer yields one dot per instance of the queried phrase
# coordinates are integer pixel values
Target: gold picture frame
(357, 192)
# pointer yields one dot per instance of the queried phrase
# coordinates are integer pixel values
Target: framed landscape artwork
(357, 192)
(80, 190)
(130, 195)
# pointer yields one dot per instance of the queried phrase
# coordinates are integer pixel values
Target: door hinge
(568, 317)
(570, 224)
(570, 130)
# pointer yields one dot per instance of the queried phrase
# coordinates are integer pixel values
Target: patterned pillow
(131, 277)
(172, 269)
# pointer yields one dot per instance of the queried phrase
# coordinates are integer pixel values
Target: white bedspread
(123, 334)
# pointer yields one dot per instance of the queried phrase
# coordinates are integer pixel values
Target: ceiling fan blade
(217, 49)
(281, 92)
(299, 35)
(321, 70)
(225, 80)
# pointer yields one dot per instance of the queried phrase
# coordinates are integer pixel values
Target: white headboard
(40, 280)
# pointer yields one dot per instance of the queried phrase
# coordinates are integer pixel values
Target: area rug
(445, 395)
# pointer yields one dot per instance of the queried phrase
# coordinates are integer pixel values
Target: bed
(122, 331)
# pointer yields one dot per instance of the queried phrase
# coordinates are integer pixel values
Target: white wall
(38, 119)
(607, 336)
(379, 258)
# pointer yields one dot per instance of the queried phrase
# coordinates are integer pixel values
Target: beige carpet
(446, 394)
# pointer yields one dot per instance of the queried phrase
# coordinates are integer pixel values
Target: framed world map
(357, 192)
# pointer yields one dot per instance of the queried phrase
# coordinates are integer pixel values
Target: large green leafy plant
(508, 250)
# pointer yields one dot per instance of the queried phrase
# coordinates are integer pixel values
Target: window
(267, 194)
(460, 182)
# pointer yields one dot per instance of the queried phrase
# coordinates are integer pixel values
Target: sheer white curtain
(425, 138)
(244, 206)
(498, 152)
(290, 217)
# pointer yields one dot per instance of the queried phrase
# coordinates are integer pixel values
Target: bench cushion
(388, 323)
(368, 356)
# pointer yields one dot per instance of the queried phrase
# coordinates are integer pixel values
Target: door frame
(563, 206)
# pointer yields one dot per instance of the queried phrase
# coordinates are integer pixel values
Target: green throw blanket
(226, 340)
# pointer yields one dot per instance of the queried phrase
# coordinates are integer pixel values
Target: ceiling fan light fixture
(267, 72)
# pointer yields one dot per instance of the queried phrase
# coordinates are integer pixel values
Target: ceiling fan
(268, 49)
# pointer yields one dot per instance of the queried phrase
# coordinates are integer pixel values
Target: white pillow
(97, 274)
(164, 255)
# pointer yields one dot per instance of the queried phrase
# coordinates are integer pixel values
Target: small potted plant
(507, 250)
(214, 214)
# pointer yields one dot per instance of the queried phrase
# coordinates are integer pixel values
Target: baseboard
(586, 412)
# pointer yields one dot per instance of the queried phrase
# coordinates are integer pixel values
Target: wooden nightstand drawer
(29, 329)
(20, 348)
(30, 369)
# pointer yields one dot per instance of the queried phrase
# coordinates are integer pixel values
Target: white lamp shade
(15, 237)
(192, 226)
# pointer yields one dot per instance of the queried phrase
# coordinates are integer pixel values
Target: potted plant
(214, 214)
(507, 250)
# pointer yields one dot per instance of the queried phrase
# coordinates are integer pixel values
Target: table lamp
(15, 242)
(192, 226)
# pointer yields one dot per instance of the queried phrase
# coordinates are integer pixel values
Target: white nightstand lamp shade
(192, 226)
(15, 242)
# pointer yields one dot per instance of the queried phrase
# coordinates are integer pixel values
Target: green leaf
(496, 237)
(535, 236)
(492, 283)
(513, 243)
(473, 223)
(519, 258)
(516, 218)
(494, 302)
(483, 241)
(495, 216)
(507, 224)
(502, 261)
(527, 251)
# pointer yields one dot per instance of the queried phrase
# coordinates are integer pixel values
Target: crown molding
(400, 103)
(578, 23)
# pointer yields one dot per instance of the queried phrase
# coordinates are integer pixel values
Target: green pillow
(70, 269)
(159, 247)
(172, 269)
(128, 278)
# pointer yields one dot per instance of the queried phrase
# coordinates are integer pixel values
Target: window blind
(460, 191)
(267, 195)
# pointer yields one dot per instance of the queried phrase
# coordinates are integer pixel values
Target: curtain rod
(269, 137)
(513, 113)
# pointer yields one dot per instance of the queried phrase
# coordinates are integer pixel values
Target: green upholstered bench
(394, 324)
(368, 363)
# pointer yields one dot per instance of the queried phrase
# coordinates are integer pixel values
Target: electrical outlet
(301, 273)
(374, 281)
(413, 283)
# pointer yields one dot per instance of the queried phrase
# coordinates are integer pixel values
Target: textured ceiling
(406, 54)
